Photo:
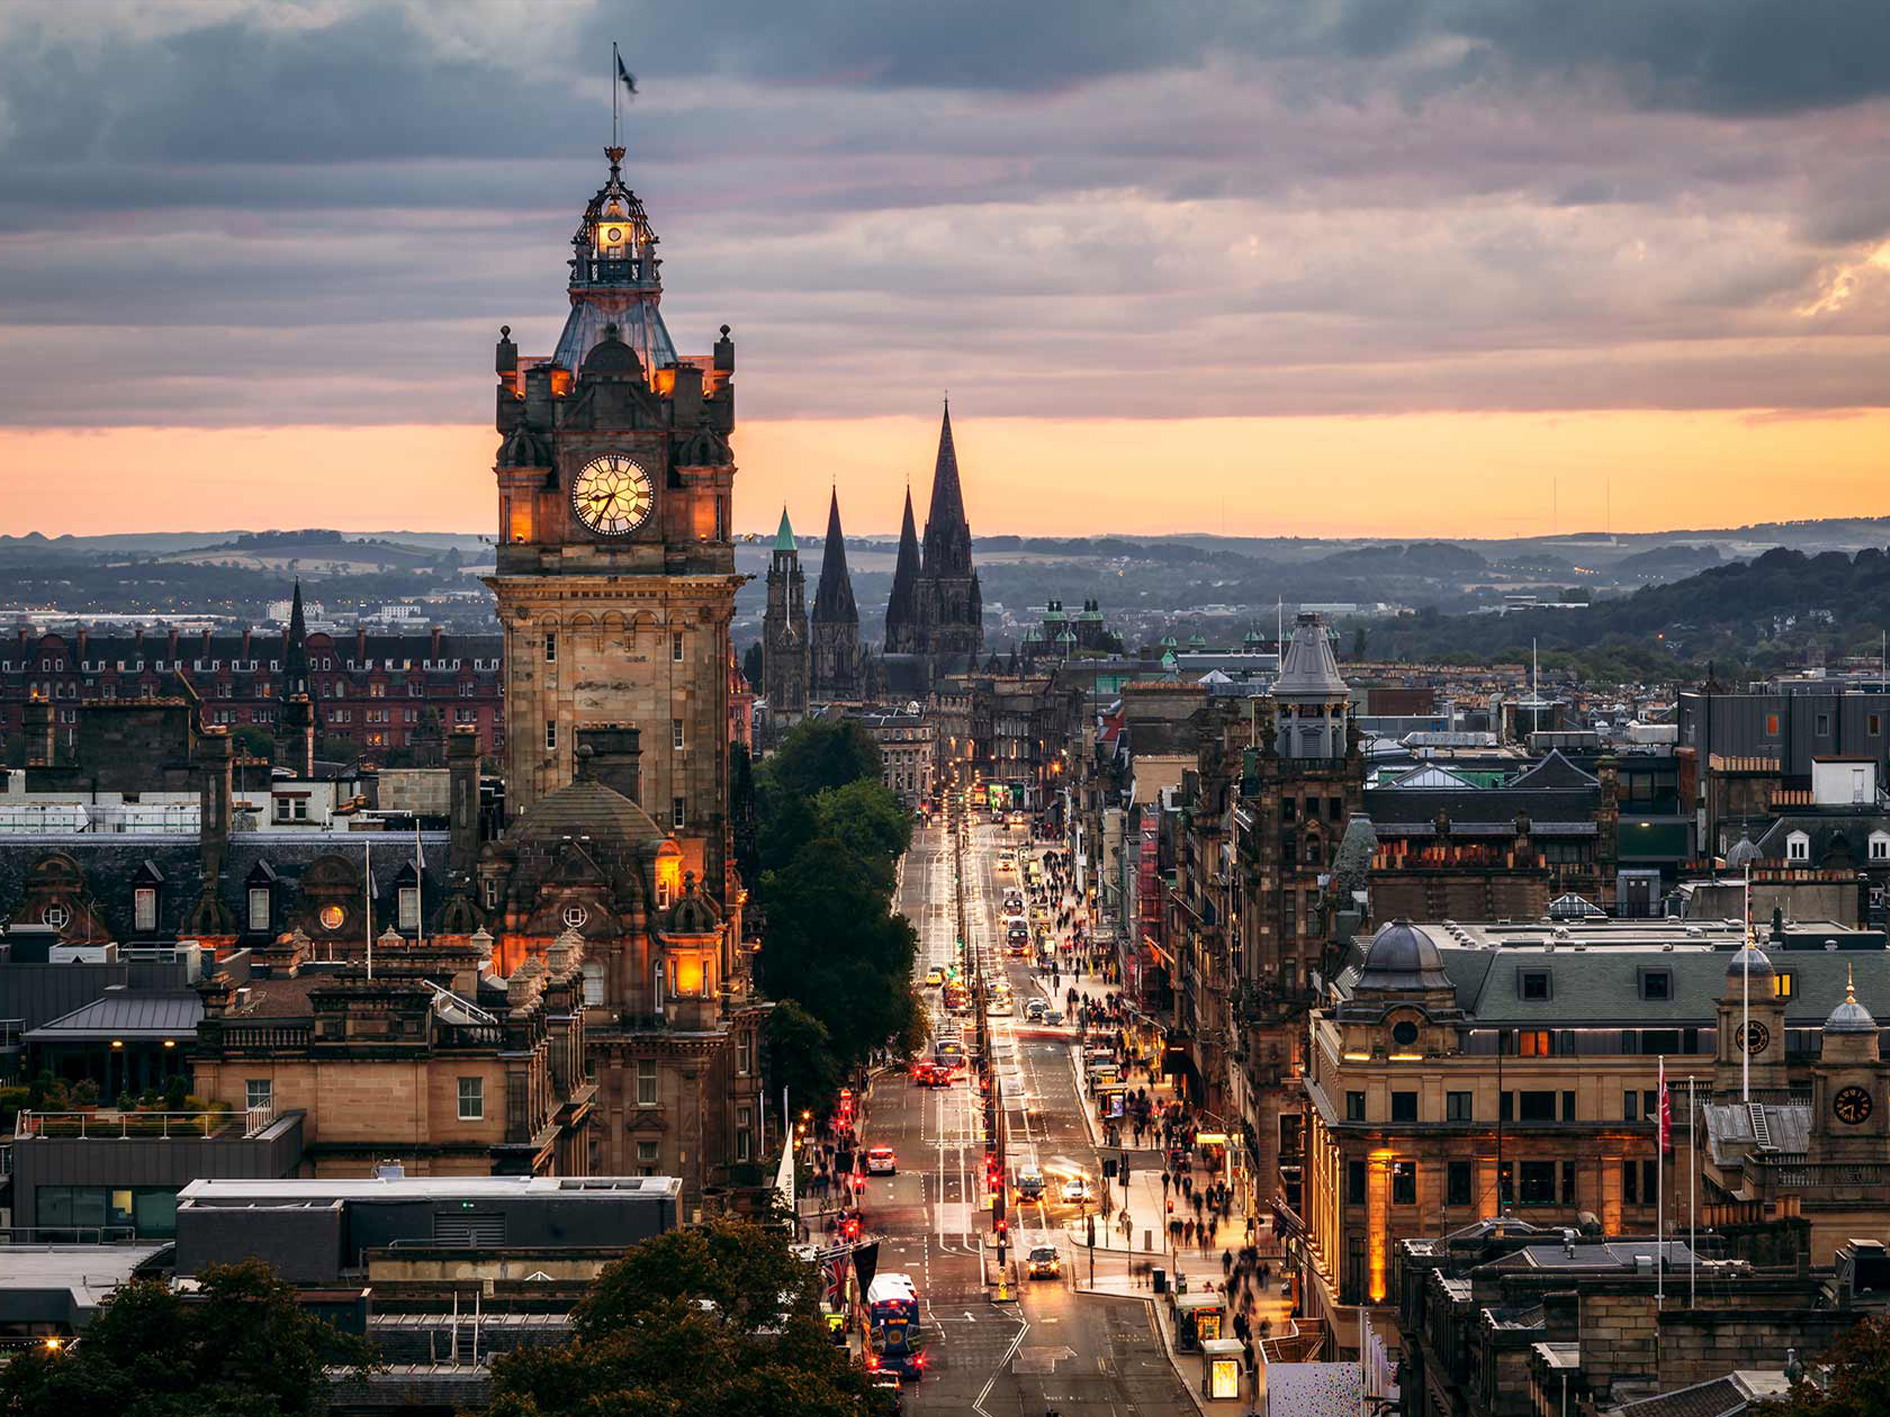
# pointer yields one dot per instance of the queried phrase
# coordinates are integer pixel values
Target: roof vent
(389, 1171)
(1666, 947)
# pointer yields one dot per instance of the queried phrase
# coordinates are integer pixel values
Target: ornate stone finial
(505, 332)
(390, 938)
(725, 332)
(615, 154)
(482, 942)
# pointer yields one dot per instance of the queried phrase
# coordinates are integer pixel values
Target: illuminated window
(1771, 725)
(1782, 984)
(332, 917)
(1404, 1183)
(1535, 1043)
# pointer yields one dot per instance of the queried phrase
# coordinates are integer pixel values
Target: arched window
(1798, 847)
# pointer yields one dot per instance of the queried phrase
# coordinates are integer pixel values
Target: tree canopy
(829, 839)
(1855, 1381)
(715, 1321)
(240, 1346)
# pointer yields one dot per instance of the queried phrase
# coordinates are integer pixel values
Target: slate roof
(126, 1013)
(111, 862)
(1601, 986)
(1483, 811)
(1309, 667)
(1554, 771)
(1826, 829)
(1730, 1135)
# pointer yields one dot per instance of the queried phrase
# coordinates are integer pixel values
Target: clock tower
(616, 570)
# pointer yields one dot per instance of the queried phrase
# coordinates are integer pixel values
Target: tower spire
(833, 600)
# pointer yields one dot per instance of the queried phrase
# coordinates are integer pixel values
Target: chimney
(686, 397)
(82, 640)
(139, 633)
(462, 771)
(360, 645)
(214, 752)
(246, 634)
(616, 757)
(434, 652)
(170, 652)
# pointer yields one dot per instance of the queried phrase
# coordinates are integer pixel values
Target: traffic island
(1000, 1280)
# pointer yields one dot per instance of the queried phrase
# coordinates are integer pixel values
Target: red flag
(1666, 1111)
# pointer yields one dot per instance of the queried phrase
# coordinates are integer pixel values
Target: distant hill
(1420, 558)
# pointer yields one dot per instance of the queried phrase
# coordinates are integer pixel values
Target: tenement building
(380, 693)
(1460, 1073)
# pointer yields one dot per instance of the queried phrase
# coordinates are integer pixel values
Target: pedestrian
(1227, 1265)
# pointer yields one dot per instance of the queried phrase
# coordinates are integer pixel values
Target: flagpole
(1693, 1194)
(1745, 1005)
(368, 851)
(1660, 1192)
(614, 62)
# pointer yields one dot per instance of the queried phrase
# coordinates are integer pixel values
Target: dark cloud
(281, 215)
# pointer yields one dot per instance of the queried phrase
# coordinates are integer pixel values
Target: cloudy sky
(1386, 267)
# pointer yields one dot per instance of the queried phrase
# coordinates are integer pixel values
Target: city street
(1052, 1348)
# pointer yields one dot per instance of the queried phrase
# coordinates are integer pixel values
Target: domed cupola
(615, 279)
(1850, 1016)
(1402, 959)
(1744, 853)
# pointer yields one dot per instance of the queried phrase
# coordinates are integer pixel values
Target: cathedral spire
(833, 600)
(784, 538)
(947, 516)
(295, 646)
(902, 606)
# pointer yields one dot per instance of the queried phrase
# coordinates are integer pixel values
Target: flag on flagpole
(1666, 1111)
(629, 79)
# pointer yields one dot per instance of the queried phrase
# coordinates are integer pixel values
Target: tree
(800, 1054)
(715, 1321)
(240, 1345)
(867, 821)
(1361, 638)
(820, 753)
(1855, 1381)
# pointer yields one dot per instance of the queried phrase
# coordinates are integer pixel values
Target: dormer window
(1533, 984)
(1798, 847)
(1656, 985)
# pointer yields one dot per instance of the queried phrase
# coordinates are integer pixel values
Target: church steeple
(833, 600)
(947, 534)
(902, 609)
(295, 648)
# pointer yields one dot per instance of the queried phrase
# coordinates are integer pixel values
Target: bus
(893, 1297)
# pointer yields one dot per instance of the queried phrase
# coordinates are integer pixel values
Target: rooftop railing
(114, 1125)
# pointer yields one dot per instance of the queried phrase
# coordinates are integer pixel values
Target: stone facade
(616, 571)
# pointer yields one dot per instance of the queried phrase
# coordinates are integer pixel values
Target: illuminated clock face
(611, 494)
(613, 234)
(332, 917)
(1753, 1036)
(1851, 1106)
